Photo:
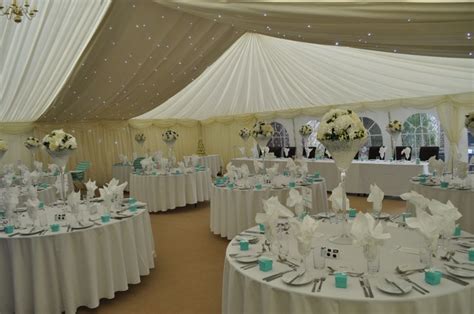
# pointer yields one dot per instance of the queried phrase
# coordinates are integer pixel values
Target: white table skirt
(122, 173)
(233, 211)
(244, 291)
(391, 177)
(61, 272)
(463, 200)
(165, 192)
(213, 162)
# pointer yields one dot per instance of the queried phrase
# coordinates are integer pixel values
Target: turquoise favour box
(261, 227)
(265, 264)
(457, 231)
(341, 280)
(9, 229)
(433, 277)
(132, 208)
(244, 245)
(471, 254)
(105, 218)
(258, 186)
(230, 185)
(444, 184)
(352, 212)
(292, 184)
(54, 227)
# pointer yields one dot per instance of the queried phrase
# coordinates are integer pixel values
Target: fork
(315, 282)
(323, 278)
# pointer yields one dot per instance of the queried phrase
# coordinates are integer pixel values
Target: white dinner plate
(85, 225)
(382, 216)
(27, 231)
(20, 210)
(325, 215)
(460, 272)
(387, 287)
(249, 238)
(466, 244)
(247, 258)
(301, 281)
(415, 179)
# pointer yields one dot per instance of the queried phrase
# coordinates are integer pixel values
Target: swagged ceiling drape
(37, 56)
(438, 27)
(142, 54)
(261, 74)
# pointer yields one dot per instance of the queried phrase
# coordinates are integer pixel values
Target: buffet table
(122, 173)
(234, 210)
(62, 271)
(391, 177)
(165, 192)
(462, 199)
(245, 291)
(213, 162)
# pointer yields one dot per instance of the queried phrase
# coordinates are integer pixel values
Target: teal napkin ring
(444, 184)
(105, 218)
(352, 212)
(471, 254)
(433, 277)
(457, 231)
(54, 227)
(9, 229)
(244, 245)
(261, 227)
(341, 280)
(265, 264)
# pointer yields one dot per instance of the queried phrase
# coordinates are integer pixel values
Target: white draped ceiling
(266, 74)
(37, 56)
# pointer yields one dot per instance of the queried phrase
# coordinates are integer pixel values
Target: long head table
(234, 210)
(391, 177)
(245, 291)
(61, 271)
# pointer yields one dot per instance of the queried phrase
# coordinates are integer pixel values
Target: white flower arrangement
(305, 130)
(32, 142)
(244, 134)
(469, 122)
(262, 129)
(169, 136)
(140, 138)
(58, 140)
(394, 127)
(341, 125)
(3, 146)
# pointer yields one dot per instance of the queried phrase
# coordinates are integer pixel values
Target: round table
(213, 162)
(122, 173)
(462, 199)
(62, 271)
(244, 291)
(165, 192)
(234, 210)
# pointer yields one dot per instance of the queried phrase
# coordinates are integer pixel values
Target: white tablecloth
(233, 211)
(51, 180)
(60, 272)
(213, 162)
(391, 177)
(165, 192)
(244, 291)
(122, 173)
(463, 200)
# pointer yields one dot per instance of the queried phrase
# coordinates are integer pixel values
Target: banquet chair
(79, 173)
(291, 152)
(426, 152)
(374, 152)
(325, 154)
(312, 154)
(398, 152)
(276, 150)
(356, 157)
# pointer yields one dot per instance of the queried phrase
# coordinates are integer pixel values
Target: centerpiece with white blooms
(343, 134)
(32, 144)
(469, 122)
(3, 148)
(170, 137)
(262, 132)
(305, 131)
(394, 128)
(140, 138)
(59, 146)
(244, 135)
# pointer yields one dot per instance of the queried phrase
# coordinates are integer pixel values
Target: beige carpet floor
(188, 269)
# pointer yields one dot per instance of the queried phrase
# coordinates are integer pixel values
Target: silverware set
(416, 286)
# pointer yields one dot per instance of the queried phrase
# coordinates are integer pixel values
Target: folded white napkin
(107, 195)
(366, 231)
(272, 211)
(304, 232)
(266, 150)
(8, 168)
(53, 168)
(336, 199)
(449, 214)
(291, 166)
(74, 200)
(38, 165)
(244, 170)
(26, 178)
(35, 177)
(462, 169)
(429, 226)
(58, 184)
(32, 206)
(376, 197)
(272, 171)
(308, 151)
(295, 199)
(91, 186)
(258, 166)
(23, 168)
(418, 200)
(147, 164)
(286, 151)
(273, 204)
(11, 197)
(382, 151)
(32, 192)
(303, 168)
(123, 159)
(406, 152)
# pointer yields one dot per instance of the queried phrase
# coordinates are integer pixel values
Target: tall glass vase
(393, 139)
(343, 152)
(171, 155)
(60, 158)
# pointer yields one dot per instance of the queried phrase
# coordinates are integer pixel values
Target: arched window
(312, 139)
(375, 133)
(423, 129)
(280, 138)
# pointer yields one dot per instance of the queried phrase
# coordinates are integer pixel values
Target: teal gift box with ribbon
(244, 245)
(9, 229)
(433, 277)
(444, 184)
(132, 200)
(422, 179)
(265, 264)
(261, 227)
(471, 254)
(105, 218)
(292, 184)
(132, 208)
(54, 227)
(286, 173)
(341, 280)
(417, 161)
(405, 216)
(352, 212)
(316, 175)
(457, 231)
(258, 186)
(230, 185)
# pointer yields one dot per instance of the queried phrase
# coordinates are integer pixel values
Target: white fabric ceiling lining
(263, 74)
(38, 55)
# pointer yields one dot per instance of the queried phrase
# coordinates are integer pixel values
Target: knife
(459, 266)
(455, 279)
(278, 275)
(296, 277)
(362, 284)
(369, 289)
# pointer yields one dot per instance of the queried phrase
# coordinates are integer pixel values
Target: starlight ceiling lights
(18, 11)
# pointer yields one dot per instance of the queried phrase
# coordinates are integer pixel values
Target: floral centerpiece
(3, 148)
(59, 146)
(262, 133)
(32, 144)
(170, 137)
(244, 134)
(469, 122)
(342, 133)
(140, 138)
(305, 131)
(394, 128)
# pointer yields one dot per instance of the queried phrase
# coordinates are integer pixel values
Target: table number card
(307, 197)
